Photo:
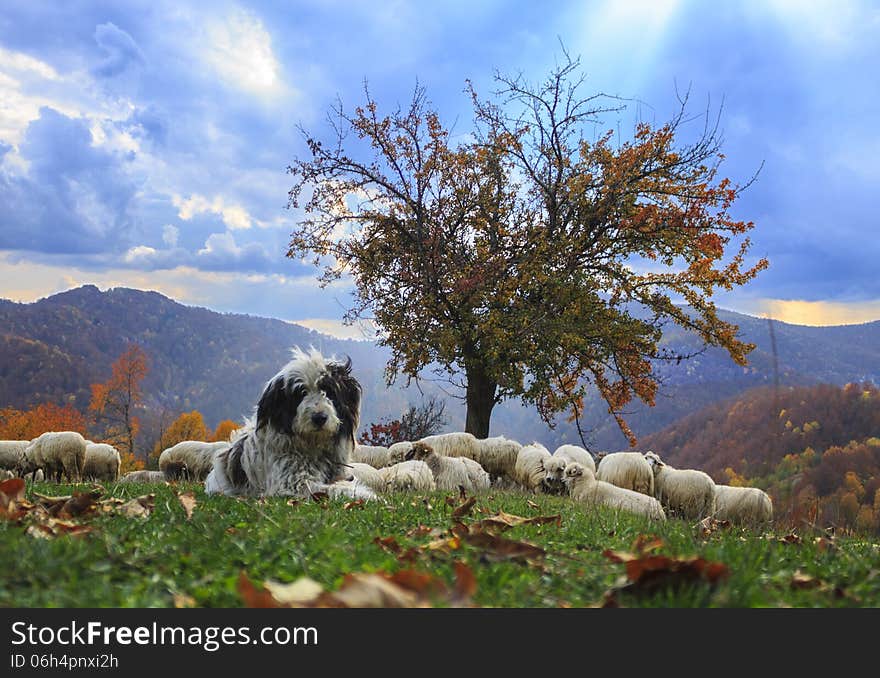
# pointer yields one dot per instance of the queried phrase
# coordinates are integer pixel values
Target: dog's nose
(319, 419)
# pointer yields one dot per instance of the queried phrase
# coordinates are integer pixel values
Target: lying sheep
(742, 505)
(101, 462)
(498, 456)
(529, 470)
(143, 477)
(457, 444)
(575, 453)
(583, 487)
(397, 452)
(450, 472)
(628, 470)
(686, 493)
(12, 454)
(56, 452)
(554, 467)
(198, 457)
(408, 476)
(374, 455)
(368, 475)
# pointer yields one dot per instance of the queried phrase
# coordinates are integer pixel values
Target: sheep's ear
(278, 405)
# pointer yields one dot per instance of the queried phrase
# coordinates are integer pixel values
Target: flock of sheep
(630, 481)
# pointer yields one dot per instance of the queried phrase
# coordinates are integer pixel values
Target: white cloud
(170, 235)
(361, 331)
(234, 216)
(22, 63)
(139, 252)
(240, 51)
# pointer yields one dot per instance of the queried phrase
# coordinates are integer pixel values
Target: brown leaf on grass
(791, 539)
(79, 504)
(647, 543)
(374, 590)
(188, 501)
(253, 595)
(422, 530)
(296, 594)
(321, 497)
(356, 504)
(293, 502)
(825, 544)
(708, 525)
(464, 508)
(801, 580)
(500, 548)
(387, 544)
(443, 545)
(652, 570)
(459, 529)
(502, 521)
(465, 583)
(51, 527)
(12, 490)
(139, 507)
(182, 600)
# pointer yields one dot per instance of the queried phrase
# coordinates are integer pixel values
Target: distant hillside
(52, 349)
(752, 433)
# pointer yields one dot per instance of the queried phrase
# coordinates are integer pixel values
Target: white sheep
(457, 444)
(374, 455)
(742, 505)
(12, 454)
(194, 457)
(529, 470)
(397, 452)
(408, 476)
(583, 487)
(554, 468)
(368, 475)
(686, 493)
(143, 477)
(498, 456)
(102, 462)
(449, 472)
(628, 470)
(57, 452)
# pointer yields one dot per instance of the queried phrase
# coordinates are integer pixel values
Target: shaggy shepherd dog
(301, 438)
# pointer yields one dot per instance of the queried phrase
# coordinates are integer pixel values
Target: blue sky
(145, 143)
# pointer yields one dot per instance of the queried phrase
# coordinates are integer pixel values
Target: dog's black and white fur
(302, 435)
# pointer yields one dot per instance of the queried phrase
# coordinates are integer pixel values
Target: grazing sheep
(56, 452)
(628, 470)
(529, 470)
(12, 453)
(143, 477)
(198, 457)
(583, 487)
(449, 472)
(458, 444)
(498, 456)
(686, 493)
(368, 475)
(374, 455)
(742, 505)
(101, 462)
(408, 476)
(575, 453)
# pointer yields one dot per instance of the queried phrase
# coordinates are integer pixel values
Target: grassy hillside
(164, 559)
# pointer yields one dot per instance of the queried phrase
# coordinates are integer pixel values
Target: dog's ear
(278, 405)
(348, 396)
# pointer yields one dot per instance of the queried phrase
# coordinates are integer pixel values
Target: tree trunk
(480, 400)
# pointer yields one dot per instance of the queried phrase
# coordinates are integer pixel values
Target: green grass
(144, 562)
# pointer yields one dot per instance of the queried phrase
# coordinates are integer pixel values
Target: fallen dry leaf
(422, 530)
(708, 525)
(12, 490)
(140, 507)
(464, 508)
(504, 521)
(188, 501)
(652, 570)
(301, 592)
(801, 580)
(182, 600)
(356, 504)
(465, 583)
(532, 504)
(254, 596)
(387, 544)
(500, 548)
(792, 539)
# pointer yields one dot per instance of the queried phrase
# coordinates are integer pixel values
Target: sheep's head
(398, 451)
(572, 472)
(554, 470)
(419, 451)
(654, 460)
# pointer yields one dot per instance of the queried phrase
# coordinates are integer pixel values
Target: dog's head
(312, 397)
